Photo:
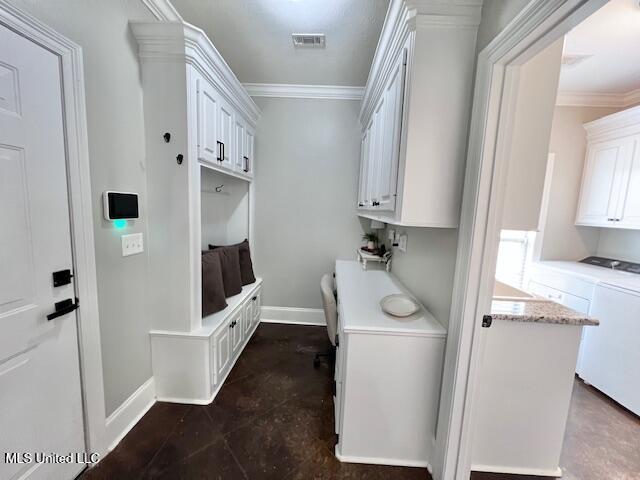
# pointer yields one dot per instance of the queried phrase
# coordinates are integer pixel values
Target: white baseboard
(536, 472)
(125, 417)
(383, 461)
(296, 316)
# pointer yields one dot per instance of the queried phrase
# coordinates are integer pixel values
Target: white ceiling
(254, 37)
(612, 37)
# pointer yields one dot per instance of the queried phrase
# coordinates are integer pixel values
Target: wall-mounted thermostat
(120, 205)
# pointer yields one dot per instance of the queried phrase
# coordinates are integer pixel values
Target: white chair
(328, 293)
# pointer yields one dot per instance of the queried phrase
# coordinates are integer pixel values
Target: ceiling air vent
(306, 40)
(573, 59)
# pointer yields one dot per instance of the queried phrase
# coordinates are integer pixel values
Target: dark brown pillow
(246, 266)
(230, 261)
(213, 298)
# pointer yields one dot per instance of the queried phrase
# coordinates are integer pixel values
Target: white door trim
(540, 23)
(79, 184)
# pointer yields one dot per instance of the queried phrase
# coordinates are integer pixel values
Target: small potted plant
(372, 240)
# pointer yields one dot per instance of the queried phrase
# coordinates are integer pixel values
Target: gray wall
(224, 215)
(427, 267)
(561, 239)
(623, 244)
(307, 166)
(117, 156)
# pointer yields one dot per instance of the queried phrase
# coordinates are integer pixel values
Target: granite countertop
(538, 312)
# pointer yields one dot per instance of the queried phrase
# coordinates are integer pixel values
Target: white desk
(388, 373)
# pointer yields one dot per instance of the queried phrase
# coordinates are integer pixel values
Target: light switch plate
(402, 242)
(132, 244)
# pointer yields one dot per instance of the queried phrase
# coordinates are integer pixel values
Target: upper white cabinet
(610, 193)
(415, 111)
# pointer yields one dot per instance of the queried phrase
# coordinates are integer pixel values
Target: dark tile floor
(272, 419)
(602, 441)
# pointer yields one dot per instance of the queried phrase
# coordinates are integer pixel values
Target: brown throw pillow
(246, 266)
(230, 261)
(213, 298)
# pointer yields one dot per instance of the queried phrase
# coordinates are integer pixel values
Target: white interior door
(40, 394)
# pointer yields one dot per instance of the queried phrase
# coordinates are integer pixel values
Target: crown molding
(285, 90)
(626, 122)
(595, 99)
(183, 42)
(163, 10)
(403, 19)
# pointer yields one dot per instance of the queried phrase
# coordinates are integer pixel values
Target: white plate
(399, 305)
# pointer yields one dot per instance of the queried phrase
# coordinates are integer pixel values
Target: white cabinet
(240, 135)
(243, 148)
(191, 367)
(225, 135)
(611, 353)
(222, 353)
(629, 204)
(208, 104)
(237, 334)
(380, 147)
(414, 115)
(376, 357)
(610, 192)
(191, 93)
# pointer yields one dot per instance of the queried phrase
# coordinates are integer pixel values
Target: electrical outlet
(132, 244)
(402, 242)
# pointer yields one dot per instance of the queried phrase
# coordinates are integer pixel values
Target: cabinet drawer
(563, 282)
(571, 301)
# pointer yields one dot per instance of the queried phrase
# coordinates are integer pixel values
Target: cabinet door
(629, 208)
(377, 145)
(249, 145)
(236, 331)
(247, 316)
(225, 134)
(222, 344)
(238, 163)
(363, 186)
(208, 104)
(257, 304)
(390, 155)
(602, 182)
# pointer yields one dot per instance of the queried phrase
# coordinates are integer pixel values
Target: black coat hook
(167, 137)
(179, 159)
